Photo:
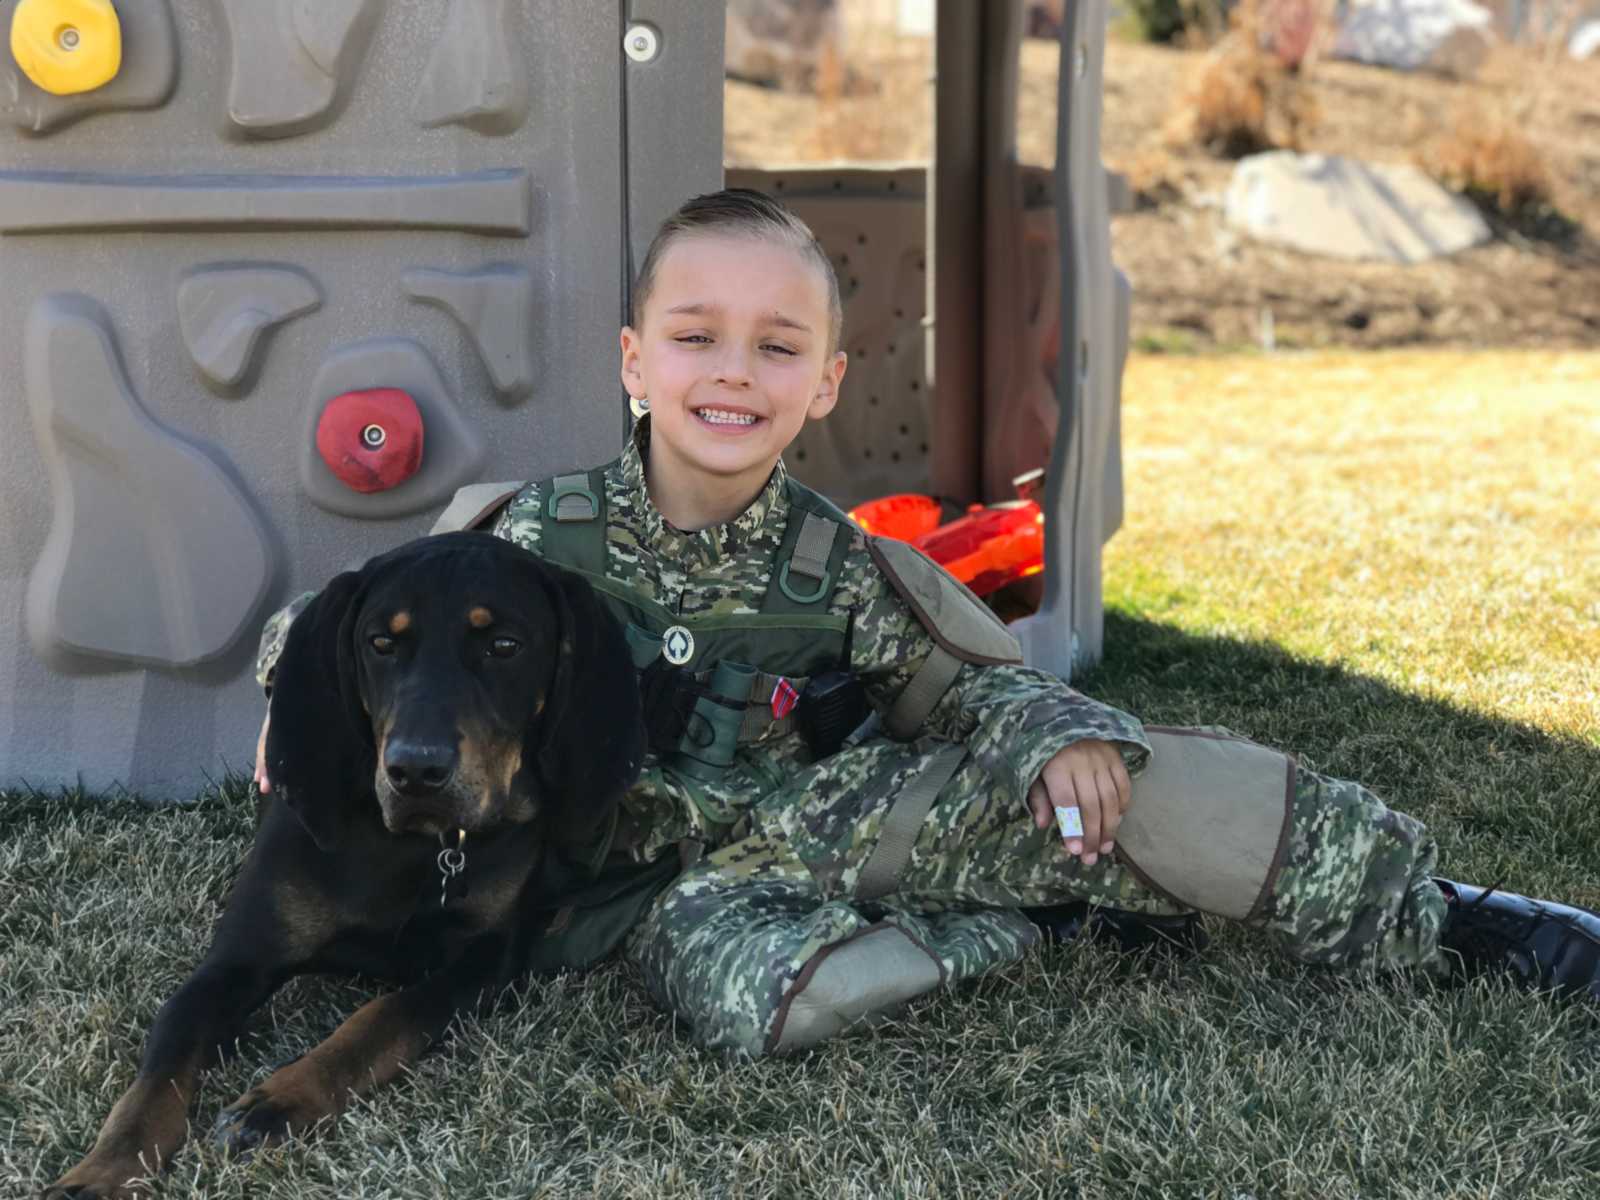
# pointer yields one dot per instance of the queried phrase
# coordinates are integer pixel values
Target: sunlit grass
(1430, 519)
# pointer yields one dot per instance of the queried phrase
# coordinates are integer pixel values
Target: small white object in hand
(1069, 821)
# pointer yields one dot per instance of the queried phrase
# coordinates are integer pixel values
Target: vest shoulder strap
(572, 532)
(963, 628)
(472, 506)
(806, 568)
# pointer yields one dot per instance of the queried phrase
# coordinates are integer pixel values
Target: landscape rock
(1449, 36)
(1346, 208)
(1585, 41)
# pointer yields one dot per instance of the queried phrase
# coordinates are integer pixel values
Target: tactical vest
(740, 661)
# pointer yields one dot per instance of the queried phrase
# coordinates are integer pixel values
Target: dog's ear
(591, 736)
(320, 755)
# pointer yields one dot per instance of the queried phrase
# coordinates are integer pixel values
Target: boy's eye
(779, 349)
(691, 338)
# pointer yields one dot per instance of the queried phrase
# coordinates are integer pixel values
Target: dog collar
(452, 862)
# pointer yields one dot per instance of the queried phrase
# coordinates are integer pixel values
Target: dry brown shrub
(1155, 177)
(1487, 155)
(873, 101)
(1246, 98)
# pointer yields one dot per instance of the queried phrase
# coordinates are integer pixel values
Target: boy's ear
(632, 379)
(828, 388)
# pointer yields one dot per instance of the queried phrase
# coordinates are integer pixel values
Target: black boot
(1127, 930)
(1549, 947)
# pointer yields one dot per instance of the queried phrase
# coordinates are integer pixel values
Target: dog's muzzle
(419, 777)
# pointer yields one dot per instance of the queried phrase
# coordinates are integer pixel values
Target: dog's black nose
(418, 770)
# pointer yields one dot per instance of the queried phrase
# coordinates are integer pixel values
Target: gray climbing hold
(495, 201)
(155, 554)
(145, 80)
(224, 314)
(476, 75)
(455, 447)
(495, 306)
(293, 60)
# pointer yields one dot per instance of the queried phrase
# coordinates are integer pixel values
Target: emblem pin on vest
(677, 645)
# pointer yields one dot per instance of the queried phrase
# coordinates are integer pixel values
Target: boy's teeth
(718, 417)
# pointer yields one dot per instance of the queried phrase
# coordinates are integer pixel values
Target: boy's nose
(733, 369)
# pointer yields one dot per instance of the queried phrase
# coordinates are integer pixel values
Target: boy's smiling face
(733, 353)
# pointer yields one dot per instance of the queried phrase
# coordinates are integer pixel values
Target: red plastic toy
(991, 546)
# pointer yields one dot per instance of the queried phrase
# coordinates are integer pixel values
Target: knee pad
(1209, 820)
(852, 984)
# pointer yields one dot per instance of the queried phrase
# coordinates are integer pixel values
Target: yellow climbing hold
(67, 46)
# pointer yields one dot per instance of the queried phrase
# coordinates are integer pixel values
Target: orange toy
(988, 548)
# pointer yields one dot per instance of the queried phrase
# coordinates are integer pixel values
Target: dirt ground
(1198, 284)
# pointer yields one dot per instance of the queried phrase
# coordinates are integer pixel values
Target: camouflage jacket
(1011, 718)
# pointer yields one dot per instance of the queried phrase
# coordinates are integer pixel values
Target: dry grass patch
(1430, 519)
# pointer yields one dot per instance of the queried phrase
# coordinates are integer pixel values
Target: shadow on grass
(1505, 799)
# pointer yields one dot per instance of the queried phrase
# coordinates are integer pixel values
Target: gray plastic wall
(276, 202)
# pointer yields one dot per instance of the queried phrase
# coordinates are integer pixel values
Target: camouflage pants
(727, 945)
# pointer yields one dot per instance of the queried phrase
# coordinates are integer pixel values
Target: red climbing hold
(371, 440)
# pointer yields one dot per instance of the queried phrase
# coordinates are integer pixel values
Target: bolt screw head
(641, 43)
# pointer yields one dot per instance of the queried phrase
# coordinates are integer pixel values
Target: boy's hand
(262, 782)
(1089, 776)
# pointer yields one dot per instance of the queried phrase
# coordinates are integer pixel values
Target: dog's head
(461, 683)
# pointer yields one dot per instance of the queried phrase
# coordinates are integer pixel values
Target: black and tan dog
(452, 728)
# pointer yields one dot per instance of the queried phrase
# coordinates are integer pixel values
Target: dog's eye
(504, 647)
(381, 644)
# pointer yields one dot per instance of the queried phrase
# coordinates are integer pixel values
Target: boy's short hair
(740, 212)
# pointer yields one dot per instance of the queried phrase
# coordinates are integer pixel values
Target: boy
(793, 881)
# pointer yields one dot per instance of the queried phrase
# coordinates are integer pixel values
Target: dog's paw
(259, 1118)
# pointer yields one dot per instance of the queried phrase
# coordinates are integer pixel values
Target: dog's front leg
(365, 1052)
(151, 1119)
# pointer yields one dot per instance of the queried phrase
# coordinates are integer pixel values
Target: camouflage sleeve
(518, 521)
(1013, 719)
(273, 635)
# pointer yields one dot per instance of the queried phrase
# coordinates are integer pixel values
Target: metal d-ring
(822, 586)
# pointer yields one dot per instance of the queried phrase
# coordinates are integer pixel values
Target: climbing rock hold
(455, 450)
(225, 314)
(67, 46)
(148, 73)
(292, 59)
(495, 306)
(371, 440)
(476, 75)
(155, 554)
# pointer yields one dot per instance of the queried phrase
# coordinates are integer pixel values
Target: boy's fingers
(1110, 807)
(1039, 804)
(1124, 785)
(263, 784)
(1088, 799)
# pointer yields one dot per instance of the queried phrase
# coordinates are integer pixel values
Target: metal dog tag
(452, 861)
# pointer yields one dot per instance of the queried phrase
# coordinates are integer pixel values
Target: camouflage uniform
(774, 846)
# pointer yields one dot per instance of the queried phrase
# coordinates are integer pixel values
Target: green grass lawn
(1387, 563)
